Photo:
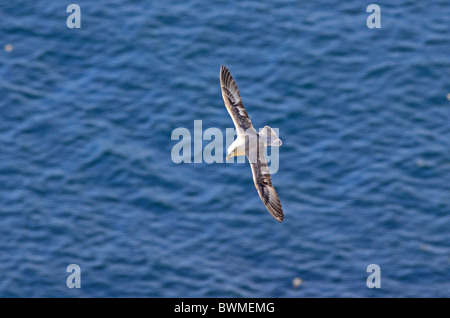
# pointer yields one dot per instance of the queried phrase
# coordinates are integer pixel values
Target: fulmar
(251, 143)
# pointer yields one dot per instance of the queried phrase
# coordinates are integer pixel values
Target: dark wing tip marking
(233, 100)
(266, 191)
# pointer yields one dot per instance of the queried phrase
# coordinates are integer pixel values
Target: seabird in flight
(251, 143)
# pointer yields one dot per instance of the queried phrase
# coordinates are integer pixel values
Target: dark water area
(87, 178)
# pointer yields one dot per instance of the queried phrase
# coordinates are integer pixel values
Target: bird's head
(231, 153)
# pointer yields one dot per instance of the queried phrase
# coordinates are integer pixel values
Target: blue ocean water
(86, 175)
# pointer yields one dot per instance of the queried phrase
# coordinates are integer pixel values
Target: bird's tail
(270, 137)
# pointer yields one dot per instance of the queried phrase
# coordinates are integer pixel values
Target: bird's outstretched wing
(233, 101)
(263, 183)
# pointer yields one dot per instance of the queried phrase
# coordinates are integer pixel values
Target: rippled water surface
(86, 175)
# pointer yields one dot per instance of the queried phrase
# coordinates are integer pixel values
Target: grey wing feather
(233, 101)
(267, 193)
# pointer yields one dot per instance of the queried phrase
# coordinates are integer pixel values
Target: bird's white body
(255, 141)
(237, 148)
